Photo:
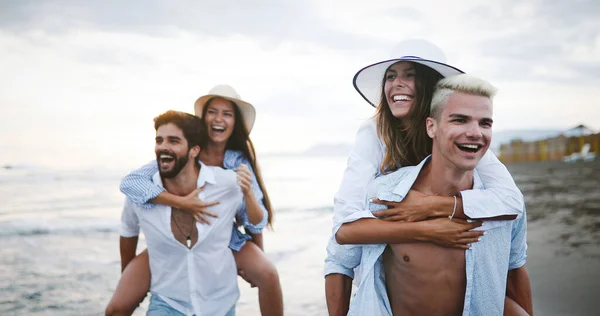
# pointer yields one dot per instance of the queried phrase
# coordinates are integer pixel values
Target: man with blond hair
(421, 278)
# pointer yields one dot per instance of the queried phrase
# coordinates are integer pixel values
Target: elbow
(123, 186)
(255, 220)
(341, 237)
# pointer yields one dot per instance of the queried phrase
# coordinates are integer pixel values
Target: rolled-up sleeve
(342, 259)
(518, 244)
(130, 224)
(258, 194)
(500, 196)
(139, 187)
(362, 166)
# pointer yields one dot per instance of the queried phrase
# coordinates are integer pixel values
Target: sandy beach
(563, 207)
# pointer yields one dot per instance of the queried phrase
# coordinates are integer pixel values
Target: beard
(179, 163)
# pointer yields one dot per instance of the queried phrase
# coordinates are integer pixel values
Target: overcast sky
(80, 81)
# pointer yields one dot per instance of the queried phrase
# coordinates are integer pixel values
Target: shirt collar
(407, 182)
(206, 175)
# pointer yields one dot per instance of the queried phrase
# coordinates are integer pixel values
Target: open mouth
(217, 129)
(164, 159)
(469, 148)
(402, 97)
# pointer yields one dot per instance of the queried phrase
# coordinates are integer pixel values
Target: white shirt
(201, 280)
(500, 196)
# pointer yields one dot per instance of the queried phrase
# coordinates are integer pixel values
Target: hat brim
(367, 81)
(247, 110)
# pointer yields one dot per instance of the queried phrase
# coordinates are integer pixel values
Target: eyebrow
(456, 115)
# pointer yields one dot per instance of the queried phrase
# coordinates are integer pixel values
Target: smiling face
(399, 88)
(171, 149)
(220, 120)
(463, 131)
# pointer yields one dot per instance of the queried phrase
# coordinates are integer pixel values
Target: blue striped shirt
(140, 189)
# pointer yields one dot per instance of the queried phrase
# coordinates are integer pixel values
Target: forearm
(376, 231)
(253, 209)
(518, 288)
(127, 247)
(500, 196)
(139, 187)
(166, 198)
(443, 206)
(338, 288)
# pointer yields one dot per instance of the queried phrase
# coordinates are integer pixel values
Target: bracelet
(453, 210)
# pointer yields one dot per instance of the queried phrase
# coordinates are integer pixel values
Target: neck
(213, 154)
(444, 178)
(185, 182)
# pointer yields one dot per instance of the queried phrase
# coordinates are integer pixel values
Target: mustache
(166, 152)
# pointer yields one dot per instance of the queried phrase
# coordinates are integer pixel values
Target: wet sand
(563, 208)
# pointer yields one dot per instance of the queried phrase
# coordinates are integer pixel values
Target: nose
(474, 131)
(219, 117)
(399, 81)
(160, 146)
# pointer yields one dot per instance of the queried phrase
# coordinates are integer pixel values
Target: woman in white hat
(229, 120)
(401, 89)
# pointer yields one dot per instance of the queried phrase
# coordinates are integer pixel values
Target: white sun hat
(227, 92)
(367, 81)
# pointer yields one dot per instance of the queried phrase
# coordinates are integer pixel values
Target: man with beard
(193, 271)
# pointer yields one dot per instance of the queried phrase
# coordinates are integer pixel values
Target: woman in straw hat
(401, 90)
(229, 120)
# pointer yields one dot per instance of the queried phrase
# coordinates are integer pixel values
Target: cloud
(518, 39)
(93, 74)
(270, 22)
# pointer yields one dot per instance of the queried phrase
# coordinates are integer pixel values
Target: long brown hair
(406, 139)
(240, 140)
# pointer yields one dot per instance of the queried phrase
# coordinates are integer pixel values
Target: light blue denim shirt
(503, 248)
(140, 189)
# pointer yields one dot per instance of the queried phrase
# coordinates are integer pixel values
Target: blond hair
(459, 83)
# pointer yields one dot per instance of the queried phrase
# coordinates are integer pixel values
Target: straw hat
(367, 81)
(227, 92)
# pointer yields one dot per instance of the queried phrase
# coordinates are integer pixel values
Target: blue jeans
(158, 307)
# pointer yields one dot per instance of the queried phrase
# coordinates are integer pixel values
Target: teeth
(401, 98)
(163, 156)
(219, 128)
(470, 146)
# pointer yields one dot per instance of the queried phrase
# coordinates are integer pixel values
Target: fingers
(475, 224)
(388, 212)
(201, 219)
(378, 201)
(209, 213)
(244, 182)
(207, 204)
(395, 218)
(461, 246)
(243, 170)
(197, 190)
(471, 234)
(467, 240)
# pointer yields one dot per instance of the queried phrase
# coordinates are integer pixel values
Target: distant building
(555, 148)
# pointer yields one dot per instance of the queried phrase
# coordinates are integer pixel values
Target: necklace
(188, 238)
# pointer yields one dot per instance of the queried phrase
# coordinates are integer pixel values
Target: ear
(195, 152)
(431, 126)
